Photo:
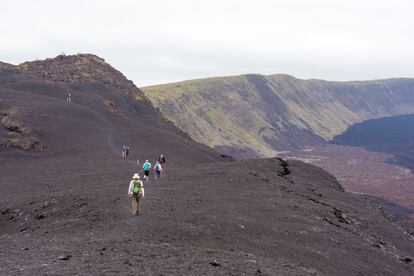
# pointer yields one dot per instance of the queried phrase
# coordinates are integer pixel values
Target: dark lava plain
(64, 207)
(393, 135)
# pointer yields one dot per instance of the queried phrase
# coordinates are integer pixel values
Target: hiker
(69, 97)
(161, 160)
(124, 151)
(136, 193)
(157, 170)
(146, 167)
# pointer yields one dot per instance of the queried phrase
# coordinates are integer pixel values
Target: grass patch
(208, 116)
(139, 98)
(168, 119)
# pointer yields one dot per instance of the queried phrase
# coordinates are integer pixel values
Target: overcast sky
(162, 41)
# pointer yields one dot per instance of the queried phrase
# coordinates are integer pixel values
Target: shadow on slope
(393, 135)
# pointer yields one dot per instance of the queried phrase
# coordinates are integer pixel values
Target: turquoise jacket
(146, 166)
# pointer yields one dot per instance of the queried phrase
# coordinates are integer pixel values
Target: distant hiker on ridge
(161, 160)
(69, 97)
(157, 170)
(146, 167)
(124, 151)
(136, 192)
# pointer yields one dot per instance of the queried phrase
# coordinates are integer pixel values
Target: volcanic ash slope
(64, 207)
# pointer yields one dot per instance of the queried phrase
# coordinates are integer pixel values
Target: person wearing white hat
(136, 192)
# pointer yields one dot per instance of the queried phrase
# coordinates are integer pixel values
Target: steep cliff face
(255, 115)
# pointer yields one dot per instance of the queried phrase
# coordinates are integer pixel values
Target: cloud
(160, 41)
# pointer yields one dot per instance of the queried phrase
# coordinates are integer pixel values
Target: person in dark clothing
(124, 150)
(161, 160)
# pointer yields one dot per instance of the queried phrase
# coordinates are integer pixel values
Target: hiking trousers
(135, 204)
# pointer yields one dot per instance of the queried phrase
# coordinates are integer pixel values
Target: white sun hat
(136, 176)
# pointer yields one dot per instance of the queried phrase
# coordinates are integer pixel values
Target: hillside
(103, 114)
(78, 68)
(256, 116)
(64, 208)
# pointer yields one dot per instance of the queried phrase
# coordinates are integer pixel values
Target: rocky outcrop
(24, 143)
(17, 134)
(270, 114)
(79, 68)
(15, 126)
(6, 67)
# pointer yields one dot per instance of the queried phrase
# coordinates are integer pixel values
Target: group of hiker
(136, 186)
(159, 166)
